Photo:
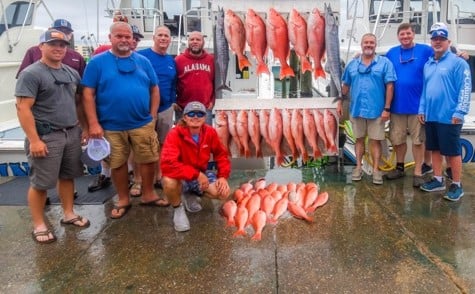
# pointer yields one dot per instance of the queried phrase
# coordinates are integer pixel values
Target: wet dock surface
(367, 239)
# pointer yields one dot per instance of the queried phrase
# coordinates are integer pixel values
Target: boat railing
(147, 19)
(195, 19)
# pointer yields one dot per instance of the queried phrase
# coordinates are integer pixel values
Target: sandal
(136, 190)
(77, 221)
(123, 208)
(35, 236)
(160, 202)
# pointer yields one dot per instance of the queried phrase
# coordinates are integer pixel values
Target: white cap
(438, 26)
(98, 149)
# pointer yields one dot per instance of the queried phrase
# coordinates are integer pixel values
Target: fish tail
(305, 64)
(286, 71)
(247, 153)
(259, 153)
(271, 221)
(333, 149)
(256, 237)
(262, 69)
(240, 232)
(243, 62)
(230, 223)
(309, 219)
(224, 87)
(319, 72)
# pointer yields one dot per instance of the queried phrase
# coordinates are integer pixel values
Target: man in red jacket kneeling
(185, 155)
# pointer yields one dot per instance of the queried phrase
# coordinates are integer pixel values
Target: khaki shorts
(143, 141)
(374, 128)
(164, 123)
(402, 124)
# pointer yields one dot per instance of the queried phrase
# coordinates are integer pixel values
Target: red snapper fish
(275, 134)
(258, 222)
(298, 212)
(297, 133)
(232, 125)
(241, 221)
(236, 35)
(278, 41)
(321, 200)
(320, 125)
(229, 212)
(316, 41)
(254, 131)
(330, 131)
(287, 132)
(263, 123)
(253, 205)
(221, 125)
(298, 38)
(310, 132)
(243, 132)
(256, 39)
(280, 208)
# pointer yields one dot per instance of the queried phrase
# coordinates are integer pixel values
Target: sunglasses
(126, 65)
(62, 80)
(198, 114)
(365, 70)
(402, 61)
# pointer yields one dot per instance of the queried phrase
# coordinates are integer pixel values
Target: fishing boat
(18, 32)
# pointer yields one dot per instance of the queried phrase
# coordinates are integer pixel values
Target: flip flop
(160, 202)
(125, 209)
(73, 222)
(35, 236)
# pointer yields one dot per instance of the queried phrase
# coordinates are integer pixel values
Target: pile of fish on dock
(284, 132)
(259, 204)
(309, 37)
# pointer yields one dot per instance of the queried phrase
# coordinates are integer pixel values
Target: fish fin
(319, 72)
(224, 87)
(230, 223)
(305, 65)
(286, 71)
(243, 62)
(262, 69)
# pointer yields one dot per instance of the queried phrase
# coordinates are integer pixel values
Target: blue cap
(62, 24)
(443, 33)
(53, 35)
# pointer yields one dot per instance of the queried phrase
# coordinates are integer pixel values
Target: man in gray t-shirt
(49, 112)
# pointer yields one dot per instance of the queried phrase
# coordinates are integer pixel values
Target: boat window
(462, 11)
(15, 14)
(355, 5)
(391, 9)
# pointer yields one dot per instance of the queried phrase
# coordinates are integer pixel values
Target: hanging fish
(221, 52)
(236, 35)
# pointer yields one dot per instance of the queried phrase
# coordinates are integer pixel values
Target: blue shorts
(444, 138)
(194, 187)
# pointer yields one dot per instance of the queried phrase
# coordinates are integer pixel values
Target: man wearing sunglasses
(445, 100)
(408, 59)
(121, 99)
(185, 155)
(369, 81)
(49, 110)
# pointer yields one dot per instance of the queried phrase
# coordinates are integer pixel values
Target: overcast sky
(81, 14)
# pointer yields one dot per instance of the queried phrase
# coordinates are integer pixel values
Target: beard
(196, 50)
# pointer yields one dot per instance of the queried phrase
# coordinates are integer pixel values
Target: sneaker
(455, 193)
(100, 182)
(356, 174)
(377, 177)
(395, 174)
(426, 169)
(418, 181)
(180, 220)
(433, 185)
(191, 203)
(448, 173)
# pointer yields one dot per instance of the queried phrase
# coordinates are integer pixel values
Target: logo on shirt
(197, 66)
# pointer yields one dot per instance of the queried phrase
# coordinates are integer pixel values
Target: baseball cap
(98, 149)
(194, 106)
(53, 35)
(62, 24)
(136, 31)
(443, 33)
(438, 25)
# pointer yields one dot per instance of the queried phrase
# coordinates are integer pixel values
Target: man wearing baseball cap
(71, 58)
(50, 112)
(184, 160)
(445, 100)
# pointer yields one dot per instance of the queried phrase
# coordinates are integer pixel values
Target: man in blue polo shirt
(369, 80)
(445, 100)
